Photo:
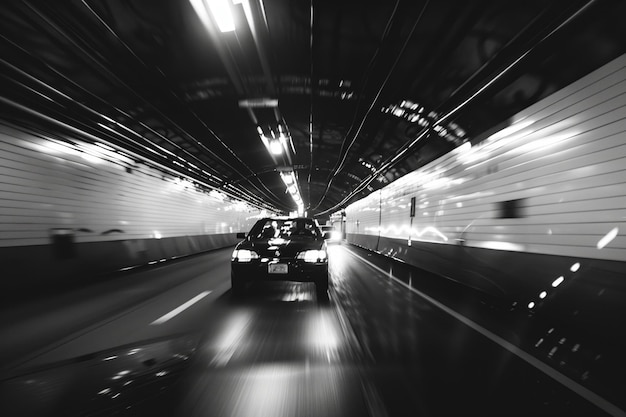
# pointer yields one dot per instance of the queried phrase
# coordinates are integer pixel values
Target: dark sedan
(281, 249)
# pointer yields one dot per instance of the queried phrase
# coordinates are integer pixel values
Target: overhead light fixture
(276, 147)
(287, 177)
(220, 9)
(222, 14)
(258, 102)
(273, 144)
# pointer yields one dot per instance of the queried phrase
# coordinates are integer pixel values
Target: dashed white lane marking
(181, 308)
(587, 394)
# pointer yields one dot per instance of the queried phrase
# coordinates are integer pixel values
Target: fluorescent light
(287, 179)
(608, 238)
(222, 15)
(497, 245)
(558, 281)
(258, 102)
(220, 10)
(276, 148)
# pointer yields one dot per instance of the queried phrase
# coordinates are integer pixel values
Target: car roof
(285, 218)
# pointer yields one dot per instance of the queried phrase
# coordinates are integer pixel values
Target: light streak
(406, 230)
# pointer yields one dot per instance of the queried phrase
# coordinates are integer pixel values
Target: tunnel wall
(72, 212)
(538, 206)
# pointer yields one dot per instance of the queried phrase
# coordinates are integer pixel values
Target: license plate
(277, 268)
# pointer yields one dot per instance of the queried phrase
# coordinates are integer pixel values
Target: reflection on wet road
(373, 347)
(276, 353)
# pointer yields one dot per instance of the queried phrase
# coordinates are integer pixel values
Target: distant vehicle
(281, 249)
(331, 234)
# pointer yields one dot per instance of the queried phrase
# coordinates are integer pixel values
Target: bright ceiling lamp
(287, 178)
(222, 14)
(220, 9)
(276, 147)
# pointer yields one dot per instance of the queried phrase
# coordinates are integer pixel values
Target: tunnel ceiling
(363, 92)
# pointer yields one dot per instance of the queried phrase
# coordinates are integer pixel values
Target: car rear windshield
(281, 228)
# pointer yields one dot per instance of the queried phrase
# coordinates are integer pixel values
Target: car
(281, 249)
(331, 234)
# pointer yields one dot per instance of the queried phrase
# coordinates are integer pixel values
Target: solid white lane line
(181, 308)
(584, 392)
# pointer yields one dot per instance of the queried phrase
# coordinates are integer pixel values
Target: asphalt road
(375, 346)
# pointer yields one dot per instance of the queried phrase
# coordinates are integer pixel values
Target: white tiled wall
(46, 185)
(564, 158)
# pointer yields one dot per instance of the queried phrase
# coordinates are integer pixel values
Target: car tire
(238, 285)
(321, 285)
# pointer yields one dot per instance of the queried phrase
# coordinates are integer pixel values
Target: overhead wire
(194, 114)
(344, 154)
(407, 148)
(128, 141)
(136, 94)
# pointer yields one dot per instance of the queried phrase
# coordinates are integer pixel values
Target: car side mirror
(241, 235)
(326, 235)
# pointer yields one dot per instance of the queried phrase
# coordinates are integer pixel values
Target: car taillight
(313, 256)
(244, 255)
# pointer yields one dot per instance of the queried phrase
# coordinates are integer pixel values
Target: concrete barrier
(40, 268)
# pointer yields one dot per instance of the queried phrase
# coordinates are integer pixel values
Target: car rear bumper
(298, 271)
